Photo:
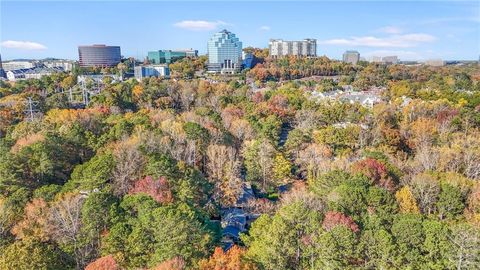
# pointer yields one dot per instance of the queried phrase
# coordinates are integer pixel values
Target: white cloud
(23, 45)
(199, 25)
(398, 41)
(265, 28)
(390, 30)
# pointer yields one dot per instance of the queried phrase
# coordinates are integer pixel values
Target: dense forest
(145, 176)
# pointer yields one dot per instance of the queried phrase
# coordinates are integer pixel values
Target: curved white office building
(224, 52)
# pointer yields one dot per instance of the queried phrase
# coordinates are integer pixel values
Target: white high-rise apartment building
(224, 52)
(280, 47)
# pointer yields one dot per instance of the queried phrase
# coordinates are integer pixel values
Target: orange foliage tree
(103, 263)
(230, 260)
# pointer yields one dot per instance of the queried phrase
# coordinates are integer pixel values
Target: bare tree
(466, 246)
(65, 225)
(219, 159)
(427, 157)
(314, 159)
(128, 166)
(425, 190)
(471, 157)
(266, 152)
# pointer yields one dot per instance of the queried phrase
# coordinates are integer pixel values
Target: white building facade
(280, 48)
(151, 71)
(15, 65)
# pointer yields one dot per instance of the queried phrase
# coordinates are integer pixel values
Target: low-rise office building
(17, 74)
(151, 71)
(169, 56)
(38, 73)
(435, 62)
(66, 65)
(18, 64)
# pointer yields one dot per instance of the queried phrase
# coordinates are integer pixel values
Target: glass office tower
(99, 56)
(224, 52)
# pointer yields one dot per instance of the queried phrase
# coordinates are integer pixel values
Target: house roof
(231, 231)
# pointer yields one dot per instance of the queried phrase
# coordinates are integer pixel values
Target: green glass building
(169, 56)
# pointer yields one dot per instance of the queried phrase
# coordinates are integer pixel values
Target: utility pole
(70, 96)
(31, 108)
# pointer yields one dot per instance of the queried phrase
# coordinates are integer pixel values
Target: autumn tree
(65, 221)
(259, 156)
(425, 189)
(31, 254)
(333, 219)
(232, 259)
(103, 263)
(158, 189)
(176, 263)
(128, 165)
(406, 201)
(376, 171)
(35, 222)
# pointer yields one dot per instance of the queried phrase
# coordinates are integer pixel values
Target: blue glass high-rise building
(224, 52)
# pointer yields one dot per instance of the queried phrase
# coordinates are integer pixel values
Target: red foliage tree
(333, 219)
(279, 105)
(103, 263)
(257, 97)
(158, 189)
(376, 171)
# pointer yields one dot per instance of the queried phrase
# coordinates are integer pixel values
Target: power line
(31, 109)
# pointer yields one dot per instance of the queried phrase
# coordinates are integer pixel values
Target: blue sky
(411, 30)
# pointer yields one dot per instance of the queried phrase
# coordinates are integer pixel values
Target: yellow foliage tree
(406, 201)
(282, 168)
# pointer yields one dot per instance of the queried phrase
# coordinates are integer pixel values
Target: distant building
(351, 57)
(389, 60)
(376, 59)
(66, 65)
(151, 71)
(280, 47)
(17, 74)
(39, 72)
(250, 61)
(3, 75)
(365, 98)
(169, 56)
(14, 65)
(99, 56)
(224, 52)
(435, 62)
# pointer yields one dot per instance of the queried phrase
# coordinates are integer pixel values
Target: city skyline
(392, 29)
